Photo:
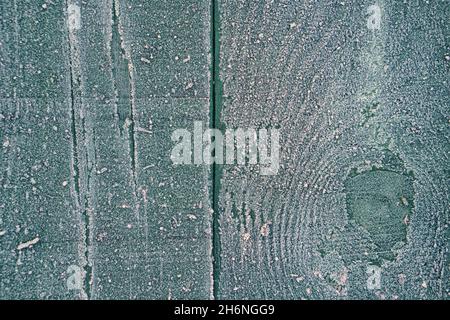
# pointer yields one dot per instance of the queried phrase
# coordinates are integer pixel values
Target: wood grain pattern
(38, 200)
(364, 172)
(92, 207)
(114, 85)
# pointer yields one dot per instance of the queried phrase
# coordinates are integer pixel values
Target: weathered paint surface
(90, 94)
(91, 206)
(360, 92)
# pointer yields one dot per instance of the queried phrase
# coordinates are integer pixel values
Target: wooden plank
(136, 63)
(92, 207)
(89, 103)
(41, 230)
(359, 207)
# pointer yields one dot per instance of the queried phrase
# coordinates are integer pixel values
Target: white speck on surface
(27, 244)
(102, 170)
(140, 129)
(265, 229)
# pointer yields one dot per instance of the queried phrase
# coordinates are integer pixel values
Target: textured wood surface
(92, 207)
(364, 168)
(90, 95)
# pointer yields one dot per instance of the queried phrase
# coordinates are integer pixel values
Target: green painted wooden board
(115, 80)
(364, 180)
(92, 207)
(38, 199)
